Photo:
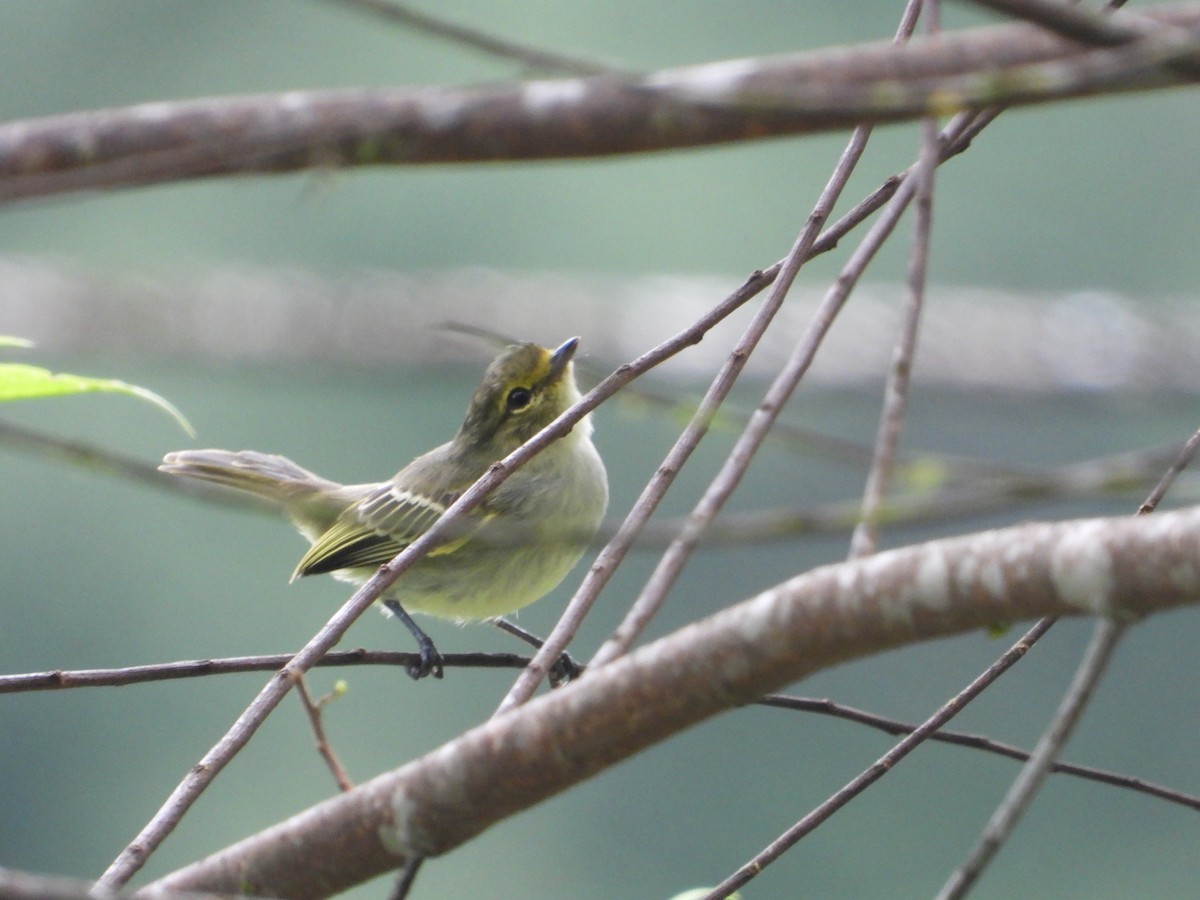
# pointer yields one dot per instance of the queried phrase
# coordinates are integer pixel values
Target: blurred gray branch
(534, 58)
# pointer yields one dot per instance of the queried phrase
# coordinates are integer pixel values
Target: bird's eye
(518, 399)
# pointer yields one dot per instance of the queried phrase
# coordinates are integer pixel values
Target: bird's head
(524, 389)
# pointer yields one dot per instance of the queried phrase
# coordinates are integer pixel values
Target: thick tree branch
(592, 116)
(1122, 568)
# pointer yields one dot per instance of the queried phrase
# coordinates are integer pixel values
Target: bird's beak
(561, 357)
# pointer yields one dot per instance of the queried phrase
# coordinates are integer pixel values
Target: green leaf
(22, 382)
(7, 341)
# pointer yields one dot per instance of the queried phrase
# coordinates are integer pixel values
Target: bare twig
(1181, 462)
(435, 26)
(131, 675)
(736, 463)
(1117, 475)
(313, 709)
(406, 878)
(1070, 20)
(956, 137)
(198, 668)
(979, 742)
(654, 592)
(99, 459)
(863, 541)
(1088, 26)
(1106, 635)
(880, 767)
(1022, 791)
(562, 669)
(655, 489)
(610, 557)
(895, 405)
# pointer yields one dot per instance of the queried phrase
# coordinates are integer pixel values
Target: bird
(513, 548)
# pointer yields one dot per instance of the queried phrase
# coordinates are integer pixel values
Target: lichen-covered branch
(1123, 568)
(600, 115)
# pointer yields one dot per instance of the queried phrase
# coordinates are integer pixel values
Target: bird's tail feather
(275, 478)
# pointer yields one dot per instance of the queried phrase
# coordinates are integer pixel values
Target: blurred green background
(1097, 196)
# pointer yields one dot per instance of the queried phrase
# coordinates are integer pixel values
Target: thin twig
(895, 403)
(805, 247)
(131, 675)
(899, 189)
(954, 139)
(104, 461)
(727, 479)
(1117, 476)
(614, 552)
(1106, 636)
(652, 494)
(1070, 20)
(562, 669)
(476, 39)
(881, 766)
(198, 668)
(406, 878)
(891, 421)
(1181, 462)
(510, 627)
(1095, 28)
(978, 742)
(313, 709)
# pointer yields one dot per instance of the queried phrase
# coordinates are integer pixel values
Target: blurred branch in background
(532, 58)
(933, 488)
(974, 337)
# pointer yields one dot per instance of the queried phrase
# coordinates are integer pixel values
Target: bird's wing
(372, 532)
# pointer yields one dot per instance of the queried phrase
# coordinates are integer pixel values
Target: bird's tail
(274, 478)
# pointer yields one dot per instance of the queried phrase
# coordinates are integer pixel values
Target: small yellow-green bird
(512, 549)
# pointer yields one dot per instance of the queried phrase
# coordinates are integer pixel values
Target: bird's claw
(429, 662)
(564, 669)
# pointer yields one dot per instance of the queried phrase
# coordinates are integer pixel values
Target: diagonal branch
(701, 419)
